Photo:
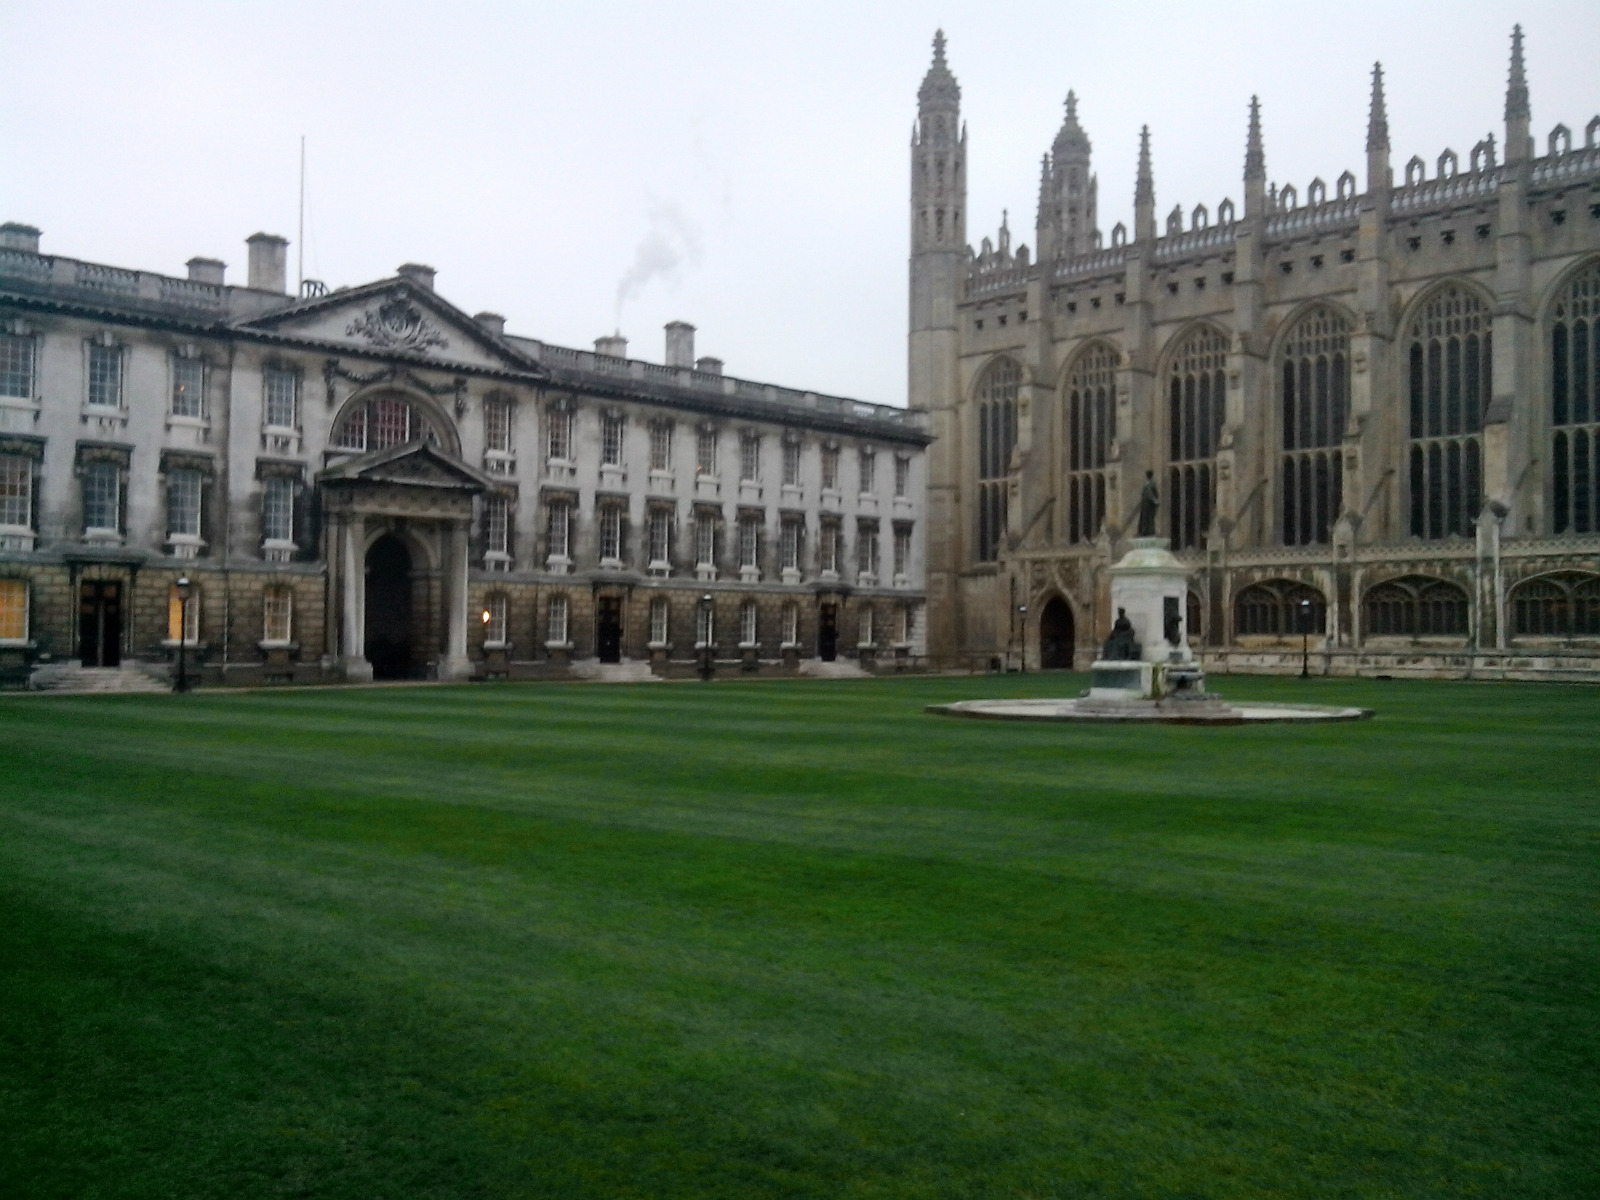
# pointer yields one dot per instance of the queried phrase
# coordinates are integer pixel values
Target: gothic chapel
(1372, 412)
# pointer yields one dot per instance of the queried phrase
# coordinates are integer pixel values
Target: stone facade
(368, 482)
(1380, 399)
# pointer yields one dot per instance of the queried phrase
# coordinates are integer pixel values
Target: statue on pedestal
(1149, 501)
(1120, 646)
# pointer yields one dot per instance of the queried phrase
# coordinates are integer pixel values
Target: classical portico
(397, 533)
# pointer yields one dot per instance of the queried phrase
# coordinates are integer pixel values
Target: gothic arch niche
(1414, 606)
(1057, 635)
(381, 418)
(995, 410)
(1313, 406)
(1574, 403)
(1272, 609)
(1089, 403)
(1449, 380)
(1563, 604)
(1196, 387)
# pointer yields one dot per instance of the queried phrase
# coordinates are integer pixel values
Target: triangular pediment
(395, 317)
(414, 464)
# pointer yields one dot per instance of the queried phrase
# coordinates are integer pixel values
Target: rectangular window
(661, 446)
(497, 426)
(188, 387)
(902, 476)
(789, 545)
(277, 508)
(497, 525)
(705, 625)
(13, 610)
(184, 488)
(495, 627)
(705, 452)
(658, 620)
(16, 366)
(611, 426)
(868, 465)
(560, 529)
(791, 624)
(705, 539)
(660, 537)
(865, 629)
(102, 498)
(750, 457)
(791, 464)
(277, 618)
(183, 620)
(105, 376)
(610, 532)
(560, 443)
(556, 620)
(830, 468)
(902, 550)
(867, 548)
(749, 541)
(747, 623)
(828, 549)
(283, 399)
(16, 491)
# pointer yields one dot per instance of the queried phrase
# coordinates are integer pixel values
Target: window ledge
(188, 644)
(658, 646)
(558, 645)
(278, 644)
(16, 643)
(502, 645)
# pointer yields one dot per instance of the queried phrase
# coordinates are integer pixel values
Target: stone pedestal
(1152, 588)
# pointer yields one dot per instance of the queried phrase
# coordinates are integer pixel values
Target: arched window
(1450, 384)
(1316, 398)
(1415, 606)
(1091, 421)
(1566, 604)
(1274, 608)
(997, 435)
(1575, 407)
(382, 422)
(1196, 391)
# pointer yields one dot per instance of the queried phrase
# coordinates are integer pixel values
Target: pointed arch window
(1196, 403)
(1315, 397)
(1565, 604)
(1575, 407)
(997, 436)
(1091, 424)
(1449, 380)
(1279, 608)
(1416, 606)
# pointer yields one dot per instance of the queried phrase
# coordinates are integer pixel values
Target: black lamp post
(708, 665)
(185, 589)
(1022, 636)
(1305, 639)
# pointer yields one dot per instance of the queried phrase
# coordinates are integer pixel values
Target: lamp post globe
(1305, 639)
(185, 589)
(1022, 637)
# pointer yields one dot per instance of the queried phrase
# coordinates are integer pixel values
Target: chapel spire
(1518, 112)
(1144, 192)
(938, 161)
(1255, 163)
(1378, 174)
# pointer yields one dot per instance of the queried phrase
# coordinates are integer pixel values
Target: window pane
(188, 387)
(102, 482)
(16, 490)
(105, 376)
(13, 609)
(183, 503)
(277, 509)
(16, 366)
(281, 387)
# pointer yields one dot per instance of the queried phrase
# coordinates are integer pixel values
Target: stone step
(623, 672)
(71, 677)
(841, 668)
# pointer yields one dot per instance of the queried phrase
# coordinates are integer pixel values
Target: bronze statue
(1149, 501)
(1120, 646)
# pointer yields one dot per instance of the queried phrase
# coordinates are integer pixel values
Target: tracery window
(1415, 606)
(1566, 604)
(1091, 423)
(997, 436)
(1273, 608)
(1449, 387)
(1196, 403)
(1316, 401)
(1575, 407)
(380, 423)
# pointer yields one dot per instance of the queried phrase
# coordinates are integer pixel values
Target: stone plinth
(1151, 587)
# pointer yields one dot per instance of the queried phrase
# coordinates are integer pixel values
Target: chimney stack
(492, 322)
(708, 365)
(417, 273)
(206, 270)
(680, 344)
(615, 345)
(16, 236)
(269, 262)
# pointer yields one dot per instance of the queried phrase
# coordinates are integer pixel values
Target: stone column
(353, 597)
(455, 664)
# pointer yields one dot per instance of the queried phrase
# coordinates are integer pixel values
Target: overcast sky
(743, 166)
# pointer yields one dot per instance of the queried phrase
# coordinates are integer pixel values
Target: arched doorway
(1055, 636)
(389, 632)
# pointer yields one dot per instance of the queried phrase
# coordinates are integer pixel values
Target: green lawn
(797, 939)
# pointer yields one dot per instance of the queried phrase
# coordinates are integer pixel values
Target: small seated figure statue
(1120, 646)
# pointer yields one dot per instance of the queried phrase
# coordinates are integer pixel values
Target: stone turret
(1255, 164)
(1068, 193)
(1144, 193)
(1519, 143)
(1379, 176)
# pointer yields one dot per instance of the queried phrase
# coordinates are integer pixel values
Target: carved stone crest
(397, 324)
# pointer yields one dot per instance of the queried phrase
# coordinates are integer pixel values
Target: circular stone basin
(1182, 712)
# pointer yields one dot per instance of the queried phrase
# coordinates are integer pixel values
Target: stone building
(368, 482)
(1372, 407)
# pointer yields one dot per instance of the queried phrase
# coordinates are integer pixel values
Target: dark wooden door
(388, 610)
(608, 629)
(828, 632)
(100, 622)
(1055, 636)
